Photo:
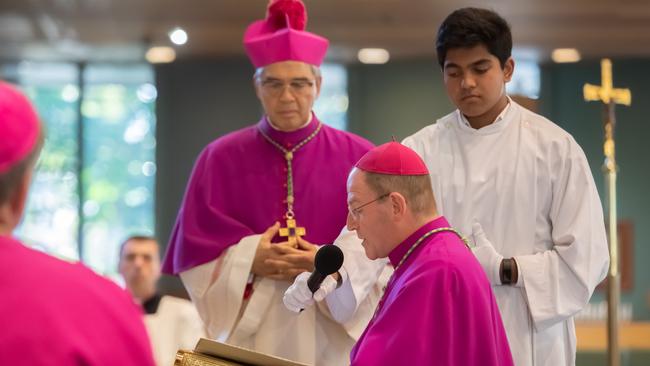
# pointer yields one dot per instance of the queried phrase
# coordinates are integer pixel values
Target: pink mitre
(392, 158)
(282, 36)
(19, 127)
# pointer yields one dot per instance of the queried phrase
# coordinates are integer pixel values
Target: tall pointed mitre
(282, 36)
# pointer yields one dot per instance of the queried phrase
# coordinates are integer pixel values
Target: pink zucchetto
(19, 127)
(393, 158)
(282, 36)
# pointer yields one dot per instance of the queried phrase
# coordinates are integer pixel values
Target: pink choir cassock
(438, 309)
(238, 189)
(58, 313)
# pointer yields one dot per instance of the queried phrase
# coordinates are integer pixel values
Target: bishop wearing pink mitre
(256, 190)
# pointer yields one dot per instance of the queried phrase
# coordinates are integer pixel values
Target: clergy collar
(288, 139)
(495, 126)
(311, 116)
(398, 252)
(151, 305)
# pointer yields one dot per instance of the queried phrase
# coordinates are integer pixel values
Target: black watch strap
(508, 272)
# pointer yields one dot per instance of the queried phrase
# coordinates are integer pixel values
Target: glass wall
(95, 179)
(51, 222)
(331, 107)
(119, 169)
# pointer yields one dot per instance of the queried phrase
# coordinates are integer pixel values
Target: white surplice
(262, 323)
(528, 183)
(175, 325)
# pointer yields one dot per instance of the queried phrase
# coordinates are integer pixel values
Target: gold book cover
(212, 353)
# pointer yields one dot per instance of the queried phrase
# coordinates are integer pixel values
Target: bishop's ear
(398, 204)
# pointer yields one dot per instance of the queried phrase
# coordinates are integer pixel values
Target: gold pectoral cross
(292, 232)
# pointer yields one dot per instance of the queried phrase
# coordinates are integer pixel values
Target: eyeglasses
(276, 87)
(356, 211)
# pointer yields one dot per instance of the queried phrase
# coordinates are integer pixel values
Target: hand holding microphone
(316, 285)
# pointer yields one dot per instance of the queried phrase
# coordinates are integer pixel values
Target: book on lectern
(212, 353)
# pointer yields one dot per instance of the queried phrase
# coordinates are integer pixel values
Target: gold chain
(408, 253)
(288, 156)
(426, 235)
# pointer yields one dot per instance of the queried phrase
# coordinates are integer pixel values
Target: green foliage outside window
(117, 153)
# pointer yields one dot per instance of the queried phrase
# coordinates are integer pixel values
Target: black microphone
(329, 259)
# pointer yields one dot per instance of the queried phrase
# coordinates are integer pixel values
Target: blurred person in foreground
(53, 312)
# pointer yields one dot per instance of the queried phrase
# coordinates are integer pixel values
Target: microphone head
(329, 259)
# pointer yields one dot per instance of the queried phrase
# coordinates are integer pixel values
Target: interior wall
(395, 99)
(197, 102)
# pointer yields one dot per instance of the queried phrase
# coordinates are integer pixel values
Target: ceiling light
(178, 36)
(160, 55)
(565, 55)
(373, 55)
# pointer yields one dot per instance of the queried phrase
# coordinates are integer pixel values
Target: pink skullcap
(19, 126)
(392, 158)
(282, 36)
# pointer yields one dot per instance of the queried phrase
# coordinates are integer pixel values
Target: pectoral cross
(292, 232)
(610, 96)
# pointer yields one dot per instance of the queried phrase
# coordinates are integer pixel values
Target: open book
(212, 353)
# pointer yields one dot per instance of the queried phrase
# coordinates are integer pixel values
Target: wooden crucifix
(610, 96)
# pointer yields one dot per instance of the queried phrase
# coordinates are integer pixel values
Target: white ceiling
(123, 29)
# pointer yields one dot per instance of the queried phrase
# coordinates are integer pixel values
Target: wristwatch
(508, 271)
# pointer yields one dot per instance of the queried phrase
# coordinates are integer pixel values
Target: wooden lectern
(213, 353)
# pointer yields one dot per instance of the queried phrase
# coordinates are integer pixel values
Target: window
(526, 78)
(50, 223)
(119, 160)
(331, 107)
(95, 179)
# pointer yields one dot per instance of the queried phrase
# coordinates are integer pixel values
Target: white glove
(298, 296)
(487, 256)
